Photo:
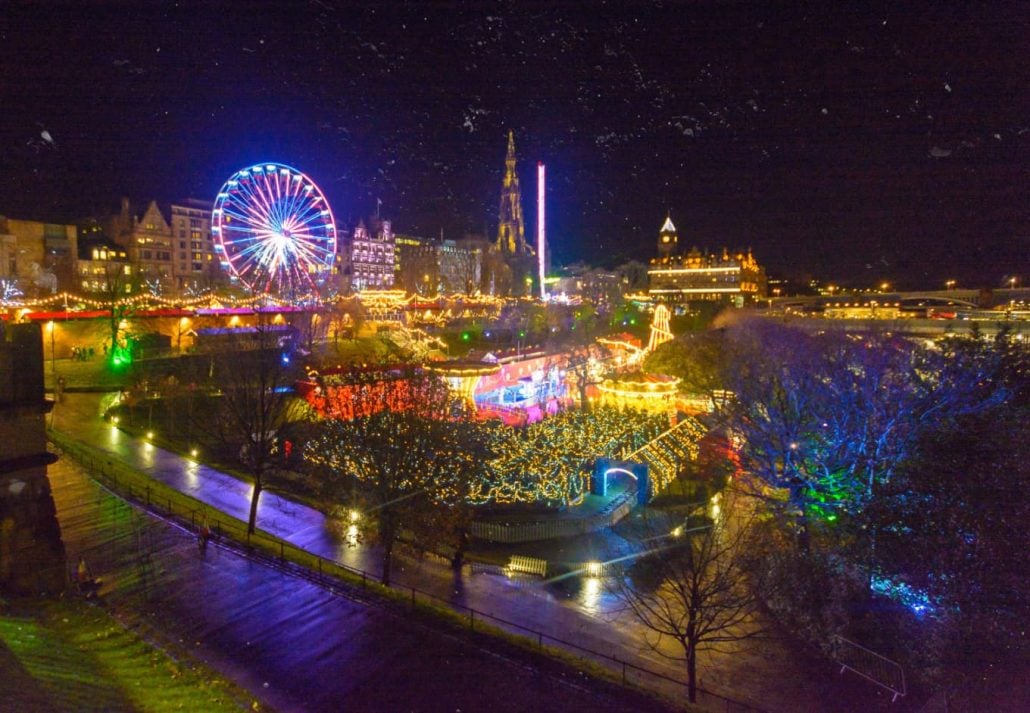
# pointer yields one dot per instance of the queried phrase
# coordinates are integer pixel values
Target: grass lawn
(70, 655)
(96, 373)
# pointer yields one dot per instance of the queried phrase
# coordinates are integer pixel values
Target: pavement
(293, 645)
(767, 675)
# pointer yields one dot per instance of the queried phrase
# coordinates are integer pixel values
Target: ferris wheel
(274, 230)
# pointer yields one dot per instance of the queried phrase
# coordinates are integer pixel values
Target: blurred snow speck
(45, 135)
(938, 152)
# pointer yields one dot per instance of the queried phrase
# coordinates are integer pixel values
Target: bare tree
(115, 285)
(695, 589)
(252, 374)
(467, 267)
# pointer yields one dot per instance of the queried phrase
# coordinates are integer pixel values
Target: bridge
(911, 326)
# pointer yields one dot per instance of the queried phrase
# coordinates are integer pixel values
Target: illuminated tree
(405, 460)
(951, 528)
(826, 419)
(116, 285)
(695, 588)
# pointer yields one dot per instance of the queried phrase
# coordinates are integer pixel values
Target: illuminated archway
(637, 471)
(620, 469)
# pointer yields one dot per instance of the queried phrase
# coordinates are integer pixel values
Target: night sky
(849, 143)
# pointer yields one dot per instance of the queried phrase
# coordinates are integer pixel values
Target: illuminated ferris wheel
(274, 230)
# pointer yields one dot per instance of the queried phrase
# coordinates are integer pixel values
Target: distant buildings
(428, 267)
(103, 267)
(40, 257)
(370, 256)
(195, 261)
(731, 277)
(171, 251)
(594, 286)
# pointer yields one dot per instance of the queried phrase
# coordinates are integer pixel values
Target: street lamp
(52, 327)
(950, 284)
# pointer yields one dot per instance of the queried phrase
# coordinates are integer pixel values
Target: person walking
(203, 535)
(88, 584)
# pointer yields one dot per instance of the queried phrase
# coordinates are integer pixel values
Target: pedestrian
(203, 534)
(60, 389)
(90, 353)
(88, 584)
(105, 350)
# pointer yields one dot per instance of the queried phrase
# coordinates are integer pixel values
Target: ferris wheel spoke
(257, 204)
(250, 217)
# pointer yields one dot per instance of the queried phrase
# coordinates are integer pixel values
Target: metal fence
(870, 666)
(173, 505)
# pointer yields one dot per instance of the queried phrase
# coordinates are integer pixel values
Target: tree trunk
(692, 673)
(252, 520)
(459, 552)
(387, 560)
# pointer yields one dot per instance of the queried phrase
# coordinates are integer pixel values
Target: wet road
(580, 611)
(294, 645)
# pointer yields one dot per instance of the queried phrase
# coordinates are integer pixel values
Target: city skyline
(854, 146)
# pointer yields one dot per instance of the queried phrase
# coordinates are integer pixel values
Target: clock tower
(668, 241)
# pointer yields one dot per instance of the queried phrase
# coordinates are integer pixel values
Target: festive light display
(660, 333)
(666, 452)
(548, 462)
(463, 377)
(651, 392)
(275, 230)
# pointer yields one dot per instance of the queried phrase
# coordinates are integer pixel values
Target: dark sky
(850, 142)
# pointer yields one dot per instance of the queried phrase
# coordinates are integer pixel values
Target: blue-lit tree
(826, 419)
(953, 545)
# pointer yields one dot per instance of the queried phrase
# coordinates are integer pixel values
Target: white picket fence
(552, 529)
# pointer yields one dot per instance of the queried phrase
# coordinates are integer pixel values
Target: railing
(173, 505)
(870, 666)
(527, 565)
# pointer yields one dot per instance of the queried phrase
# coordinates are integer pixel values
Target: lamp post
(52, 326)
(950, 284)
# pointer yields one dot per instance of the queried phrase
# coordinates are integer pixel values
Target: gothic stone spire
(511, 233)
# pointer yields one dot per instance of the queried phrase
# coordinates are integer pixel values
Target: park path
(767, 676)
(294, 645)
